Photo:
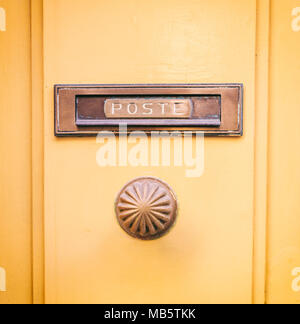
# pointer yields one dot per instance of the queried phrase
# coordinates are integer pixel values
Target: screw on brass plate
(146, 208)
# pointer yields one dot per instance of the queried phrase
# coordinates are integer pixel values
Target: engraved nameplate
(148, 108)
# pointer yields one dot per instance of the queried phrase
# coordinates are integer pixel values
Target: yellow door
(236, 239)
(207, 256)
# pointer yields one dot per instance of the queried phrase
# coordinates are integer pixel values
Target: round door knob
(146, 208)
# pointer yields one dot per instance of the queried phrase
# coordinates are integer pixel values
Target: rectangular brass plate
(85, 110)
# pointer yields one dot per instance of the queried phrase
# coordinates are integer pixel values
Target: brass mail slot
(85, 110)
(192, 110)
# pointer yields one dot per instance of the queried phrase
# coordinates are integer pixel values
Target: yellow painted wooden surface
(284, 157)
(37, 124)
(207, 257)
(237, 236)
(15, 152)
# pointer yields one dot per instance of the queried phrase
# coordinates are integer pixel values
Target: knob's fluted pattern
(146, 208)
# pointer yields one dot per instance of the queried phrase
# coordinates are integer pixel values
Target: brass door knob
(146, 208)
